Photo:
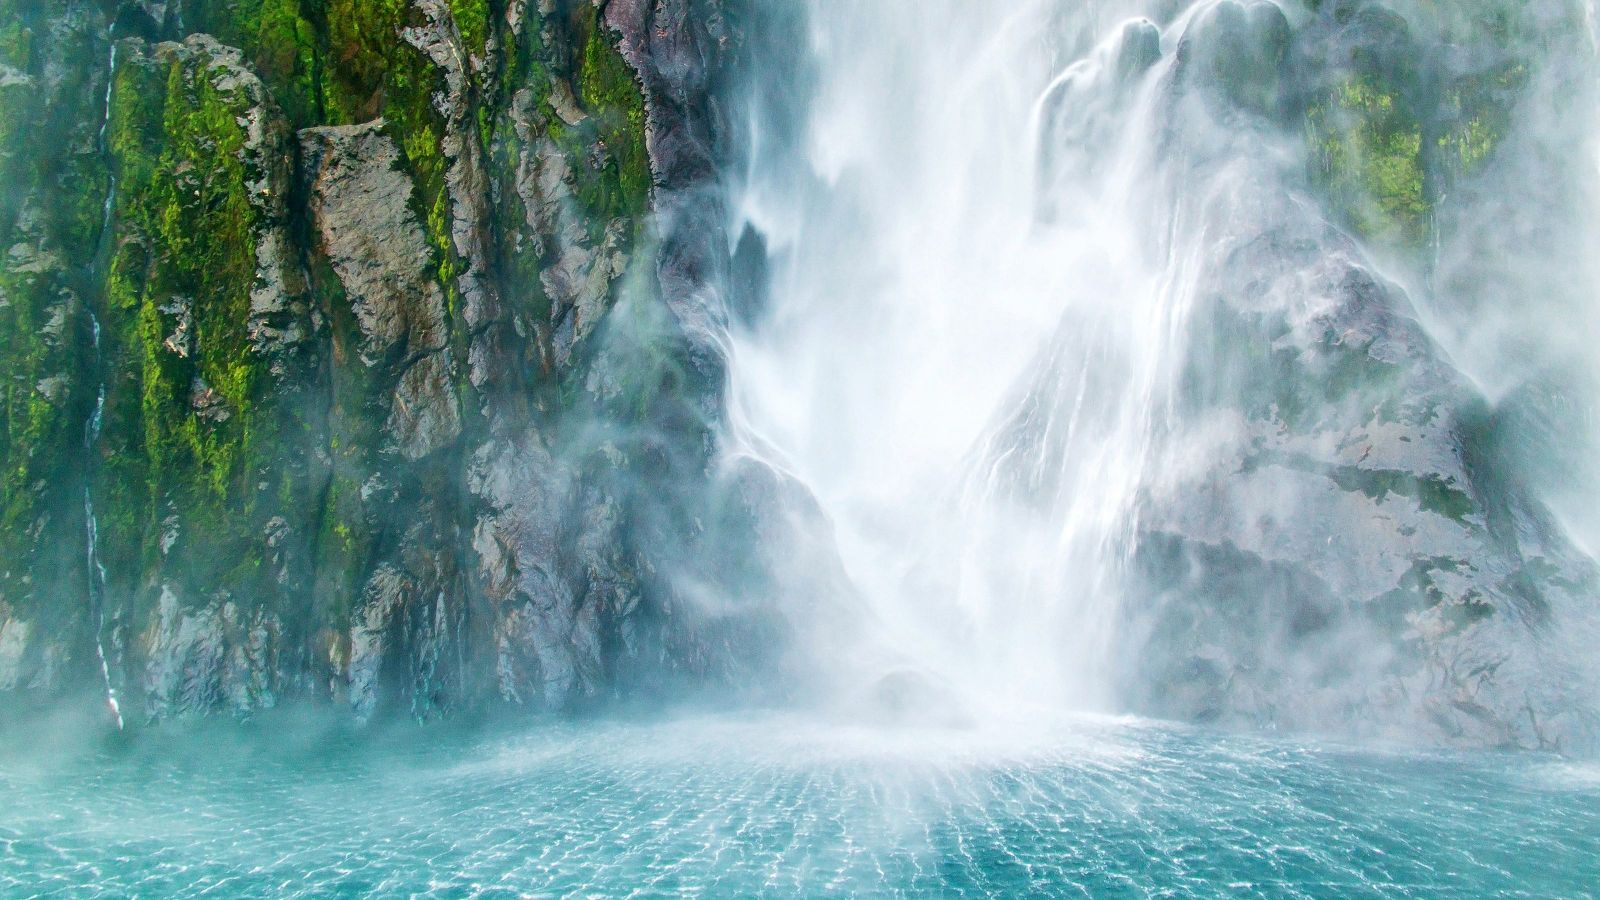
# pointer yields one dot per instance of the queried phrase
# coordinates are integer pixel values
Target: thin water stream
(95, 572)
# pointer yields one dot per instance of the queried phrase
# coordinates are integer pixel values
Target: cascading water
(1526, 229)
(1088, 372)
(980, 288)
(96, 572)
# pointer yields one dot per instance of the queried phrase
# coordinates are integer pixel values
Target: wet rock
(14, 636)
(466, 179)
(369, 472)
(215, 655)
(207, 403)
(360, 202)
(181, 340)
(1330, 535)
(1345, 559)
(908, 697)
(1238, 50)
(49, 164)
(1138, 49)
(523, 557)
(678, 48)
(387, 593)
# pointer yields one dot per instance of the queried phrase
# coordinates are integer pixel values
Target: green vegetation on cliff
(1386, 141)
(250, 458)
(54, 188)
(279, 41)
(1368, 153)
(609, 91)
(194, 433)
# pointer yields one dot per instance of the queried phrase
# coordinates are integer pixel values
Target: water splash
(1030, 276)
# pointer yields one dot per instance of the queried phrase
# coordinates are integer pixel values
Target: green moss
(1367, 154)
(135, 132)
(1386, 146)
(373, 72)
(285, 53)
(365, 57)
(609, 161)
(608, 89)
(193, 427)
(472, 19)
(1478, 115)
(517, 256)
(334, 61)
(280, 42)
(16, 44)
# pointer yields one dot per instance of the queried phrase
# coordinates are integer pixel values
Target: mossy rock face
(1397, 115)
(296, 494)
(202, 467)
(1369, 157)
(50, 208)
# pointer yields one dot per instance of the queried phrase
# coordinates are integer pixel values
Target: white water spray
(1112, 398)
(979, 291)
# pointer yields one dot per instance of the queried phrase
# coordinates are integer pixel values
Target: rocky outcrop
(679, 75)
(1348, 558)
(360, 204)
(204, 460)
(1325, 532)
(1333, 538)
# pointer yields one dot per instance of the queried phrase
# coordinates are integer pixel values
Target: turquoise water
(787, 807)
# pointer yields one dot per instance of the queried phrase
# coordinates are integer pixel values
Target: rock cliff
(360, 376)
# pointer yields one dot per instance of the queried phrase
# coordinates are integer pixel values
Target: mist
(739, 446)
(1135, 365)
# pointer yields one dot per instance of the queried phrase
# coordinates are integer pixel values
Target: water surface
(782, 806)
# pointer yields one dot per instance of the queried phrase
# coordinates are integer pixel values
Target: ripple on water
(789, 807)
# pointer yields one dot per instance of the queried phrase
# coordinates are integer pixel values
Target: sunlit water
(789, 807)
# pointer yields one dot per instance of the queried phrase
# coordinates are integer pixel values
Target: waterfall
(96, 572)
(1090, 373)
(980, 276)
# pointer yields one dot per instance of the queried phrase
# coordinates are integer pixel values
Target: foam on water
(789, 806)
